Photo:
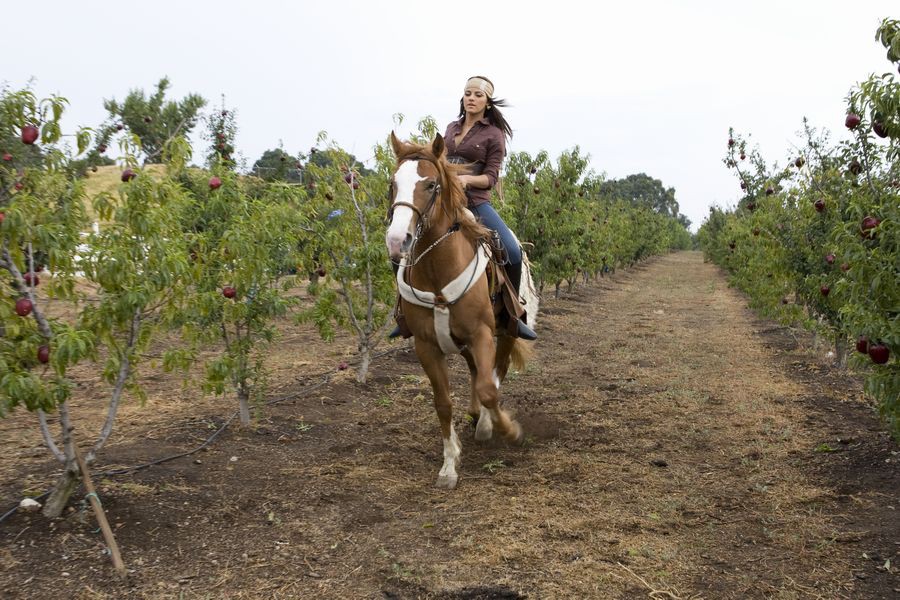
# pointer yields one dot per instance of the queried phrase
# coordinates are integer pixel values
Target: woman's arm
(496, 150)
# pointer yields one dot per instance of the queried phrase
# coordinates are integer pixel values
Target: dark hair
(492, 112)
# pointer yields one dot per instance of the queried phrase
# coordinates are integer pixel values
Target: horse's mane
(453, 197)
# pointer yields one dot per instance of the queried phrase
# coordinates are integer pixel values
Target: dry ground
(677, 447)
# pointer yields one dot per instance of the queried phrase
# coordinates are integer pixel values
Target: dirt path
(676, 444)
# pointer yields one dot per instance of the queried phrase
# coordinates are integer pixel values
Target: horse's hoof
(447, 482)
(516, 435)
(484, 430)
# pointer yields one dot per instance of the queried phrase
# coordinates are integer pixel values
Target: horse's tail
(520, 354)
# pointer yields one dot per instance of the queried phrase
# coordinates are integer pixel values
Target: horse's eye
(431, 186)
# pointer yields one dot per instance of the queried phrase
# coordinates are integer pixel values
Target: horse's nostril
(407, 242)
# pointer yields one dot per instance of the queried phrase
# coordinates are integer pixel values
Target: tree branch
(121, 379)
(48, 437)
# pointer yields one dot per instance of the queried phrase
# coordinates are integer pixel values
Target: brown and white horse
(444, 293)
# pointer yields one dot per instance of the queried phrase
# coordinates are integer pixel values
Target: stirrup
(395, 333)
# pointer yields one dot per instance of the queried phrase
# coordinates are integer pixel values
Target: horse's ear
(437, 146)
(396, 144)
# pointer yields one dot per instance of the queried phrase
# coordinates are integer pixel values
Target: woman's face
(474, 101)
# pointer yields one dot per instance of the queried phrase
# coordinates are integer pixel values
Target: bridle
(422, 216)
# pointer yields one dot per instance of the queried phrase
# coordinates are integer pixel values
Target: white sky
(642, 86)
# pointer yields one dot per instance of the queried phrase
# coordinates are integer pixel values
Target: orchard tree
(243, 241)
(221, 132)
(130, 265)
(153, 119)
(818, 242)
(355, 287)
(278, 165)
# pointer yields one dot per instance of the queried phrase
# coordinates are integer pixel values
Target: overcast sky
(641, 86)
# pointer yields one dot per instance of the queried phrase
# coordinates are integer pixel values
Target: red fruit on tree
(43, 354)
(770, 191)
(829, 258)
(852, 121)
(743, 156)
(19, 186)
(825, 290)
(743, 185)
(229, 291)
(820, 205)
(879, 129)
(355, 185)
(799, 162)
(862, 345)
(128, 175)
(7, 156)
(215, 183)
(101, 148)
(845, 267)
(348, 177)
(30, 134)
(868, 224)
(23, 307)
(2, 217)
(31, 279)
(879, 353)
(119, 126)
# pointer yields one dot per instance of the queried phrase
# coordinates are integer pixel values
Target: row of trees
(215, 258)
(817, 242)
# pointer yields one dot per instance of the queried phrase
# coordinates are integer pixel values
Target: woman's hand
(473, 181)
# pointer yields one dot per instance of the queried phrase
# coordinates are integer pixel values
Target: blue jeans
(490, 219)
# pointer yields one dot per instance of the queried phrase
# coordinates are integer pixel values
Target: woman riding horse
(478, 137)
(439, 248)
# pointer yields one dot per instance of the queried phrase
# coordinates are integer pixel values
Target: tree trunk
(840, 352)
(365, 356)
(68, 481)
(244, 401)
(556, 293)
(62, 491)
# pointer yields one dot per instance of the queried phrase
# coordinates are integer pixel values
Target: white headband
(482, 84)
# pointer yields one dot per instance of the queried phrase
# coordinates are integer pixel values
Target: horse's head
(417, 187)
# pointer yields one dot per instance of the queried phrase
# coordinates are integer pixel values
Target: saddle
(505, 302)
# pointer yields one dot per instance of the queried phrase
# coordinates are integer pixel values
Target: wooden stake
(101, 515)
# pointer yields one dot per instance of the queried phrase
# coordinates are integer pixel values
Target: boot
(514, 271)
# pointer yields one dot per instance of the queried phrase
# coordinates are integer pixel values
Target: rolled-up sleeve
(494, 154)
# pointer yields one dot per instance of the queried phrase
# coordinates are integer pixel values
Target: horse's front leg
(475, 409)
(487, 387)
(435, 364)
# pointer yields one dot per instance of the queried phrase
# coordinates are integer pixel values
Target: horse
(442, 253)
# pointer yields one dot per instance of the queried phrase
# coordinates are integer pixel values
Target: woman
(478, 137)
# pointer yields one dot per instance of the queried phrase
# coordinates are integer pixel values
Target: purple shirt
(485, 146)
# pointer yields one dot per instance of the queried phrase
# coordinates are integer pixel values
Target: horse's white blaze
(405, 180)
(452, 452)
(485, 428)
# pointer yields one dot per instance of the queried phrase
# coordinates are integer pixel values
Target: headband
(482, 84)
